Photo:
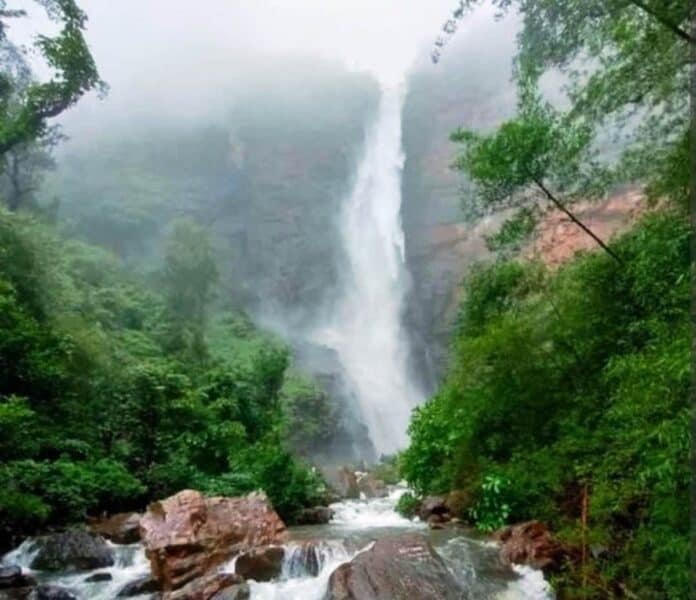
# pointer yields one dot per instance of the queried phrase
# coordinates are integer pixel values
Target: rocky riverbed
(196, 548)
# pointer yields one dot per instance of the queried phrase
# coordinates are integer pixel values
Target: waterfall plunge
(366, 330)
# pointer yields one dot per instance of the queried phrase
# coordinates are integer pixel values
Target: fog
(177, 60)
(264, 121)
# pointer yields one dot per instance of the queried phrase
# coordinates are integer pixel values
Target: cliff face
(470, 87)
(557, 238)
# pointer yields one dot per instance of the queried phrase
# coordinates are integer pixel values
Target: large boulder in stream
(121, 528)
(395, 568)
(531, 543)
(188, 535)
(72, 550)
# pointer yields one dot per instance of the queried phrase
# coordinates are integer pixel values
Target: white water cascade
(365, 329)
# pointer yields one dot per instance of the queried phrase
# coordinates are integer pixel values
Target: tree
(189, 277)
(25, 110)
(627, 64)
(23, 166)
(541, 150)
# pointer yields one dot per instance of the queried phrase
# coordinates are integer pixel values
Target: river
(356, 523)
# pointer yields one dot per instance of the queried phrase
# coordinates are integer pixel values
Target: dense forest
(567, 398)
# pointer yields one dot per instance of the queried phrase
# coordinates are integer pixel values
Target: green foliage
(387, 469)
(626, 67)
(407, 505)
(573, 378)
(310, 418)
(100, 410)
(24, 112)
(491, 512)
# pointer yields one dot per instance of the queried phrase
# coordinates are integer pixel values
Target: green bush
(407, 505)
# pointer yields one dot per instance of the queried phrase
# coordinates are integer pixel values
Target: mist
(257, 120)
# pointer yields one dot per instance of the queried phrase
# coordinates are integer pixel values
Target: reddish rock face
(532, 544)
(212, 587)
(395, 568)
(122, 528)
(188, 535)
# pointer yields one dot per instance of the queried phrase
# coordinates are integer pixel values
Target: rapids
(356, 524)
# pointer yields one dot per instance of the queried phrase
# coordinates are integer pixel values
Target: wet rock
(75, 549)
(434, 505)
(17, 593)
(210, 586)
(189, 535)
(260, 564)
(121, 528)
(51, 592)
(532, 544)
(436, 522)
(348, 484)
(98, 577)
(371, 487)
(239, 591)
(317, 515)
(395, 568)
(11, 576)
(138, 587)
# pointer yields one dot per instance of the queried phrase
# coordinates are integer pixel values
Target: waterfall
(365, 329)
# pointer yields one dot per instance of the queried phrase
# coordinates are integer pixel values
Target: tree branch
(673, 27)
(577, 221)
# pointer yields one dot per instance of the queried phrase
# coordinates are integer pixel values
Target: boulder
(434, 505)
(121, 528)
(11, 576)
(138, 587)
(75, 549)
(189, 535)
(395, 568)
(260, 564)
(436, 522)
(530, 543)
(210, 586)
(97, 577)
(458, 502)
(346, 483)
(371, 487)
(51, 592)
(317, 515)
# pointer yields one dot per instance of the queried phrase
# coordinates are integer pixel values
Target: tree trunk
(577, 221)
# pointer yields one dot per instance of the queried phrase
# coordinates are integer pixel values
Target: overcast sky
(184, 59)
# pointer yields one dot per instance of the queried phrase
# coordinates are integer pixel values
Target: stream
(472, 560)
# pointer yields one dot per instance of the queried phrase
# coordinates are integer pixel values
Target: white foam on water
(530, 586)
(130, 563)
(366, 514)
